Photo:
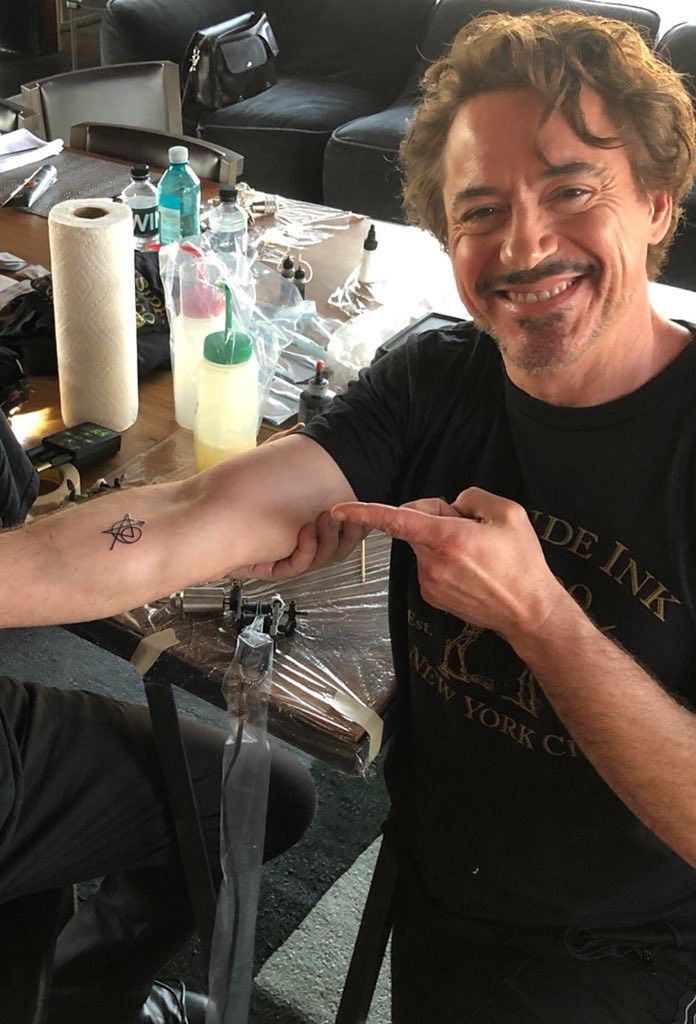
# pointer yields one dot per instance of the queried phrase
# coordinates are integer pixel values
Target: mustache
(550, 269)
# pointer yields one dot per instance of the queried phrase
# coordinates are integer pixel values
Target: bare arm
(481, 560)
(135, 545)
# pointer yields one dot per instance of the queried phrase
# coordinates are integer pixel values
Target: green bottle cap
(227, 348)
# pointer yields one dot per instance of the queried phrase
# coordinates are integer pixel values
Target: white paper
(10, 288)
(21, 148)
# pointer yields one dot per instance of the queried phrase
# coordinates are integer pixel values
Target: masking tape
(149, 649)
(355, 711)
(57, 478)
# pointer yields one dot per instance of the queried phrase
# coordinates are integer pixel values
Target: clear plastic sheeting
(297, 225)
(332, 679)
(354, 296)
(245, 777)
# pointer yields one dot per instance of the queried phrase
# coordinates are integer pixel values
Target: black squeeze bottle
(316, 397)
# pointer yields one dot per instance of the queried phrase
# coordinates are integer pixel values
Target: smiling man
(544, 798)
(548, 238)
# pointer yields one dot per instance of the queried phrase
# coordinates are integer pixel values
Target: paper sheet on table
(21, 148)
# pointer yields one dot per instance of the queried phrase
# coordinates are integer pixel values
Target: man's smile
(543, 296)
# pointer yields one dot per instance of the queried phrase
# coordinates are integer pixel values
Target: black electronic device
(82, 445)
(429, 322)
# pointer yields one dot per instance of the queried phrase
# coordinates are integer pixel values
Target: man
(541, 777)
(543, 793)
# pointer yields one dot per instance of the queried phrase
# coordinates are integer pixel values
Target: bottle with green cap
(178, 198)
(227, 385)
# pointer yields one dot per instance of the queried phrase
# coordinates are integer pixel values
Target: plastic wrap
(297, 225)
(245, 777)
(333, 679)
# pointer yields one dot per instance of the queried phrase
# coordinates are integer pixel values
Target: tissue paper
(91, 243)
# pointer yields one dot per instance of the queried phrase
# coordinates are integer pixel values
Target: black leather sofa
(349, 76)
(678, 46)
(366, 150)
(339, 60)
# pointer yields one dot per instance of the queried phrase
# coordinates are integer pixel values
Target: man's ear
(661, 205)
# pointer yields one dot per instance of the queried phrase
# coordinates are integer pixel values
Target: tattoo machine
(277, 617)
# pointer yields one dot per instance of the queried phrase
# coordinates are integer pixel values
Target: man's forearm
(640, 740)
(99, 558)
(132, 546)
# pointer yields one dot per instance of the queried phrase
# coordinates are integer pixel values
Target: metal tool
(279, 618)
(26, 194)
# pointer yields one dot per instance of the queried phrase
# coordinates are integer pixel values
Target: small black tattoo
(125, 531)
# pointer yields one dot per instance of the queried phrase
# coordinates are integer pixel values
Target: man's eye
(574, 192)
(480, 213)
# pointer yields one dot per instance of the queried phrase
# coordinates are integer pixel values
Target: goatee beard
(538, 353)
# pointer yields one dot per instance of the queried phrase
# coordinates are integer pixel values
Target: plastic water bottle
(179, 198)
(228, 225)
(141, 197)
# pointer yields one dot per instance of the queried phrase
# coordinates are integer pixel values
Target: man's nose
(528, 237)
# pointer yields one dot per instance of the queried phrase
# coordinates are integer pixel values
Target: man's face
(548, 255)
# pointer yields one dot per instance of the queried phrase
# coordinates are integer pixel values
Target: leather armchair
(146, 95)
(125, 142)
(337, 61)
(13, 115)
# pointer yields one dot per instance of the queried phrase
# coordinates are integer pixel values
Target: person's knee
(291, 803)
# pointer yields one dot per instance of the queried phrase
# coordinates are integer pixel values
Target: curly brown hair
(557, 53)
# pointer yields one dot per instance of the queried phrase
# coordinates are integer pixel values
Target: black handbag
(230, 62)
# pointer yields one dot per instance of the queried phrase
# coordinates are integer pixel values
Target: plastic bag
(354, 344)
(193, 275)
(245, 777)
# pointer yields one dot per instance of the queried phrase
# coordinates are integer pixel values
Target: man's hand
(319, 543)
(478, 558)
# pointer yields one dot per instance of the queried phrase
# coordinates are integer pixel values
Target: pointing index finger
(403, 523)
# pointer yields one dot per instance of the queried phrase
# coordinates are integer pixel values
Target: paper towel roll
(92, 263)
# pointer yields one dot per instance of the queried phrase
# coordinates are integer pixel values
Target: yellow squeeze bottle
(226, 419)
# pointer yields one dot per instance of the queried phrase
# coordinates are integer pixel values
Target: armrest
(12, 115)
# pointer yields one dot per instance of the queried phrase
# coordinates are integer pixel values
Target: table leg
(177, 777)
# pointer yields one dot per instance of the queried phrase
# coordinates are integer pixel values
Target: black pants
(93, 804)
(450, 971)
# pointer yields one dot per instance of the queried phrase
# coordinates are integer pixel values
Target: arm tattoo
(125, 531)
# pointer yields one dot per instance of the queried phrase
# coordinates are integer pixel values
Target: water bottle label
(170, 224)
(145, 221)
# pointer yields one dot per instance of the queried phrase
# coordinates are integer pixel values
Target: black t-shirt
(501, 814)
